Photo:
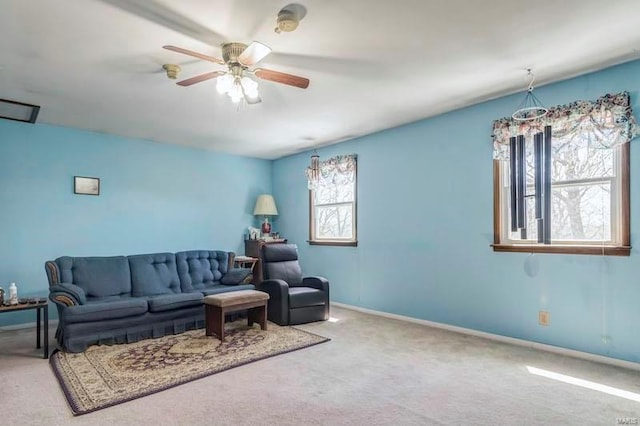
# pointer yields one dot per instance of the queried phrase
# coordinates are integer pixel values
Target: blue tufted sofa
(122, 299)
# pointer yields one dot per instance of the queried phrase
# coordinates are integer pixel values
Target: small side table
(245, 262)
(39, 306)
(248, 262)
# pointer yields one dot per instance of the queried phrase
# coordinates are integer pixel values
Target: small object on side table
(13, 294)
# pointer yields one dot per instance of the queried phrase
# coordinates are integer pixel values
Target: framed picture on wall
(86, 185)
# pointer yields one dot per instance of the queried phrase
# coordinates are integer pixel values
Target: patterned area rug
(104, 376)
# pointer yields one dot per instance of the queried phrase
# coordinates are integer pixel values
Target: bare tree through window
(589, 170)
(333, 202)
(582, 185)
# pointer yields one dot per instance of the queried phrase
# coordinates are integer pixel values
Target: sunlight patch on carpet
(585, 384)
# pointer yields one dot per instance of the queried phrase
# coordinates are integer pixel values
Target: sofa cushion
(153, 274)
(221, 288)
(167, 302)
(97, 276)
(302, 297)
(102, 311)
(199, 269)
(237, 276)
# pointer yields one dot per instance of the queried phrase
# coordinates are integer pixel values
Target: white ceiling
(97, 64)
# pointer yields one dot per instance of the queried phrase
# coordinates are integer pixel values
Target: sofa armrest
(237, 276)
(67, 294)
(278, 306)
(53, 272)
(277, 289)
(319, 283)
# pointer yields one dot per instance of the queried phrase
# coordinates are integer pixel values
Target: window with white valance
(587, 168)
(332, 200)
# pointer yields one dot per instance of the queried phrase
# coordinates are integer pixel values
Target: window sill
(333, 243)
(566, 249)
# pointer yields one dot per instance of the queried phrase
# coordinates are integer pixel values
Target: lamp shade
(265, 206)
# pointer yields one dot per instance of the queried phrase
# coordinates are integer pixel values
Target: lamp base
(266, 227)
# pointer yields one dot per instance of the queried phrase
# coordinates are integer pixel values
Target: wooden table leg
(263, 316)
(220, 323)
(258, 315)
(38, 328)
(214, 321)
(46, 331)
(208, 319)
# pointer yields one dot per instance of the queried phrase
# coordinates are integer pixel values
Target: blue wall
(153, 197)
(425, 223)
(424, 220)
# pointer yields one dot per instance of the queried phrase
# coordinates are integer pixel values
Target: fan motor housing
(231, 51)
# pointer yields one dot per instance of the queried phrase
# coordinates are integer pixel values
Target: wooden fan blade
(194, 54)
(254, 53)
(200, 78)
(280, 77)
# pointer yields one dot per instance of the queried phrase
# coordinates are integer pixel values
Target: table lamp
(265, 206)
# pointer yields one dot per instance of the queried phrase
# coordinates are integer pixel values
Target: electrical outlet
(543, 318)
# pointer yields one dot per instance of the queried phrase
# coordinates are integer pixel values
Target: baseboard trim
(496, 337)
(26, 325)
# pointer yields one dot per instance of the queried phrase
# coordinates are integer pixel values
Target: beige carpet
(375, 371)
(104, 376)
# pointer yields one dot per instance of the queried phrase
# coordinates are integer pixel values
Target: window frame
(353, 242)
(622, 210)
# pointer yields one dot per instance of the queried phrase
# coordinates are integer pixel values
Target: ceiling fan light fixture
(238, 80)
(238, 88)
(224, 84)
(250, 87)
(235, 93)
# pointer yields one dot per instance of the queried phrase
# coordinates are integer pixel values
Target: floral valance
(336, 170)
(605, 123)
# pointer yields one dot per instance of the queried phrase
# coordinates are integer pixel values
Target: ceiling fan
(235, 81)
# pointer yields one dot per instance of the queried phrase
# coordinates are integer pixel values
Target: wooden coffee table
(217, 305)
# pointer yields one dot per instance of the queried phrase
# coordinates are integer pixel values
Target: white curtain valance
(336, 170)
(604, 123)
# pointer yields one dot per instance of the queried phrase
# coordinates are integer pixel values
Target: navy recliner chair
(292, 298)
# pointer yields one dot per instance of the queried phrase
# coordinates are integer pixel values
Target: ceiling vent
(18, 111)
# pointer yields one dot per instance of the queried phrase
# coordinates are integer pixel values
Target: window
(332, 202)
(584, 208)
